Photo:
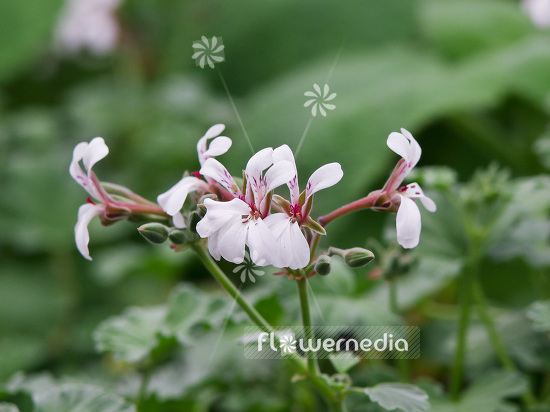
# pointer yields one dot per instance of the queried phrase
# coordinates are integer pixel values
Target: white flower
(88, 24)
(248, 269)
(230, 226)
(408, 221)
(89, 154)
(209, 52)
(292, 245)
(538, 11)
(320, 100)
(172, 201)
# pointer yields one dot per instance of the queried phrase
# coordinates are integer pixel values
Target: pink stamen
(296, 211)
(89, 200)
(196, 174)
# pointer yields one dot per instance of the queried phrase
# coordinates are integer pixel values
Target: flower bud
(177, 236)
(322, 266)
(358, 257)
(154, 232)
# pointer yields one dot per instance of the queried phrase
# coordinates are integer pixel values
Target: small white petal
(172, 201)
(408, 223)
(329, 106)
(322, 111)
(279, 174)
(86, 213)
(97, 150)
(309, 102)
(217, 59)
(325, 90)
(415, 151)
(415, 191)
(218, 146)
(329, 98)
(310, 94)
(399, 144)
(314, 110)
(215, 170)
(218, 49)
(326, 176)
(178, 220)
(259, 162)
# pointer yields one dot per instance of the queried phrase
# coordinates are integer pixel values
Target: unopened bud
(358, 257)
(322, 266)
(177, 236)
(154, 232)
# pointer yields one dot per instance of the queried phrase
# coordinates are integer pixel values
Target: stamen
(89, 200)
(196, 174)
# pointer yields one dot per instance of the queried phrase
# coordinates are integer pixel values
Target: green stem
(313, 367)
(494, 336)
(318, 382)
(465, 288)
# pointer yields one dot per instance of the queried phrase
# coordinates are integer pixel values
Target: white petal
(332, 96)
(415, 191)
(96, 150)
(308, 103)
(329, 106)
(297, 246)
(326, 176)
(213, 245)
(414, 151)
(219, 213)
(284, 153)
(178, 220)
(259, 162)
(277, 223)
(399, 144)
(75, 170)
(322, 111)
(310, 94)
(215, 170)
(408, 223)
(325, 90)
(280, 173)
(86, 213)
(262, 243)
(218, 146)
(172, 201)
(231, 242)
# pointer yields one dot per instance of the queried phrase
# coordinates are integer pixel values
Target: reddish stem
(364, 203)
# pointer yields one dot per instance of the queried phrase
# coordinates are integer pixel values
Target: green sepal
(313, 225)
(285, 204)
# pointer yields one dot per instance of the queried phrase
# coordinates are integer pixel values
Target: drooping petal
(408, 223)
(326, 176)
(215, 170)
(96, 150)
(292, 247)
(261, 243)
(219, 213)
(259, 162)
(415, 191)
(232, 240)
(74, 169)
(86, 213)
(172, 201)
(178, 220)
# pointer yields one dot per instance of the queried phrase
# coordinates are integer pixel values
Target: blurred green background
(469, 79)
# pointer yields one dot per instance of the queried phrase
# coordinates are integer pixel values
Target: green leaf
(400, 396)
(82, 398)
(466, 27)
(189, 310)
(486, 394)
(131, 336)
(539, 313)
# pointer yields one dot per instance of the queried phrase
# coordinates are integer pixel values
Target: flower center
(296, 211)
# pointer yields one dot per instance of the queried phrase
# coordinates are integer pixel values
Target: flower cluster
(242, 215)
(243, 219)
